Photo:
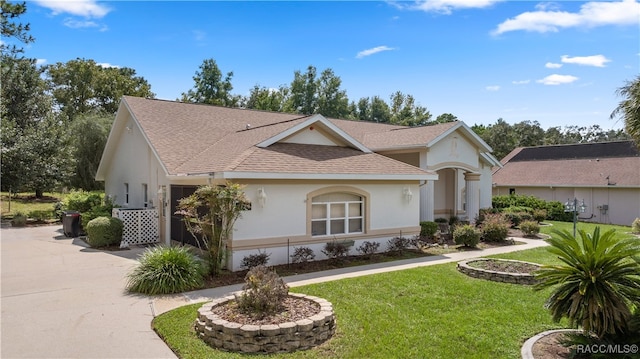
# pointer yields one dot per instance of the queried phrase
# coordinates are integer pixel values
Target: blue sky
(558, 63)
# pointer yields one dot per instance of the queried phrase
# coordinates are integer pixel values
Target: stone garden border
(270, 338)
(505, 277)
(527, 348)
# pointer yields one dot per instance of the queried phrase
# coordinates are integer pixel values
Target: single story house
(310, 179)
(606, 176)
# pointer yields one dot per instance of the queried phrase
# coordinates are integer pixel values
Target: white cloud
(521, 82)
(79, 24)
(556, 79)
(107, 65)
(591, 14)
(375, 50)
(86, 8)
(41, 62)
(551, 65)
(492, 88)
(595, 60)
(447, 6)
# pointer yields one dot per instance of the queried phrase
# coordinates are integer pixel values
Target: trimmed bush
(397, 245)
(513, 218)
(368, 249)
(428, 229)
(165, 270)
(262, 293)
(635, 226)
(302, 255)
(104, 231)
(441, 220)
(530, 228)
(467, 235)
(336, 250)
(539, 215)
(254, 260)
(495, 228)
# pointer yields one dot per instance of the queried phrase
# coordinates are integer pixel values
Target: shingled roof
(586, 165)
(197, 139)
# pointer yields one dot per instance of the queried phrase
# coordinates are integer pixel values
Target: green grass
(26, 202)
(428, 312)
(621, 231)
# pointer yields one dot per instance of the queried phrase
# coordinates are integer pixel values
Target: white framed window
(145, 195)
(337, 213)
(126, 193)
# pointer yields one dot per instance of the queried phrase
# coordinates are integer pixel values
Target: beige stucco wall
(134, 163)
(623, 203)
(285, 218)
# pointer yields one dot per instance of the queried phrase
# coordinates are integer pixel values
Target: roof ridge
(249, 127)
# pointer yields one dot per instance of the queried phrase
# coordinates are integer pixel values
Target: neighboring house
(605, 175)
(310, 179)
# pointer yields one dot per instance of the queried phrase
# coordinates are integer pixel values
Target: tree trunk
(39, 193)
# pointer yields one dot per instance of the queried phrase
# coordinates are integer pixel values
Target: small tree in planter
(209, 215)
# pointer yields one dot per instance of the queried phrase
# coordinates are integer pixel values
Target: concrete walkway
(61, 299)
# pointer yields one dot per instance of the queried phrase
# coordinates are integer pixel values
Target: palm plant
(629, 108)
(598, 285)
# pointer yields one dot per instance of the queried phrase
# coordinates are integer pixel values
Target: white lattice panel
(140, 225)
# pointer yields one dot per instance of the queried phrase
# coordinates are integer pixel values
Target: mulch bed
(549, 347)
(504, 266)
(292, 309)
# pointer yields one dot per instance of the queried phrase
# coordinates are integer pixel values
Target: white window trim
(126, 193)
(346, 218)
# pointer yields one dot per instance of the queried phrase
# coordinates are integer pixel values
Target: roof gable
(332, 133)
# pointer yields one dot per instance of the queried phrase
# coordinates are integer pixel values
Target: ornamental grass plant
(165, 270)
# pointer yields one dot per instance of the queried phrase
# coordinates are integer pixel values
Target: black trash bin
(71, 223)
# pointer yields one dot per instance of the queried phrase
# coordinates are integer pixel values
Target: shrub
(596, 286)
(82, 201)
(466, 234)
(539, 215)
(453, 220)
(397, 245)
(165, 270)
(555, 212)
(495, 228)
(441, 220)
(262, 293)
(368, 249)
(518, 209)
(19, 220)
(530, 228)
(254, 260)
(336, 250)
(428, 229)
(418, 242)
(505, 201)
(104, 231)
(635, 226)
(302, 255)
(482, 214)
(513, 218)
(40, 215)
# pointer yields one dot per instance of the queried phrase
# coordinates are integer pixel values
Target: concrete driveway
(61, 299)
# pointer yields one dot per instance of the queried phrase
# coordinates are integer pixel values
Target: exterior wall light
(262, 196)
(406, 192)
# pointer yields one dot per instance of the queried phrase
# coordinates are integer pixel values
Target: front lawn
(428, 312)
(26, 203)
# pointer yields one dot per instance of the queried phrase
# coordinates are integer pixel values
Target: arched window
(337, 213)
